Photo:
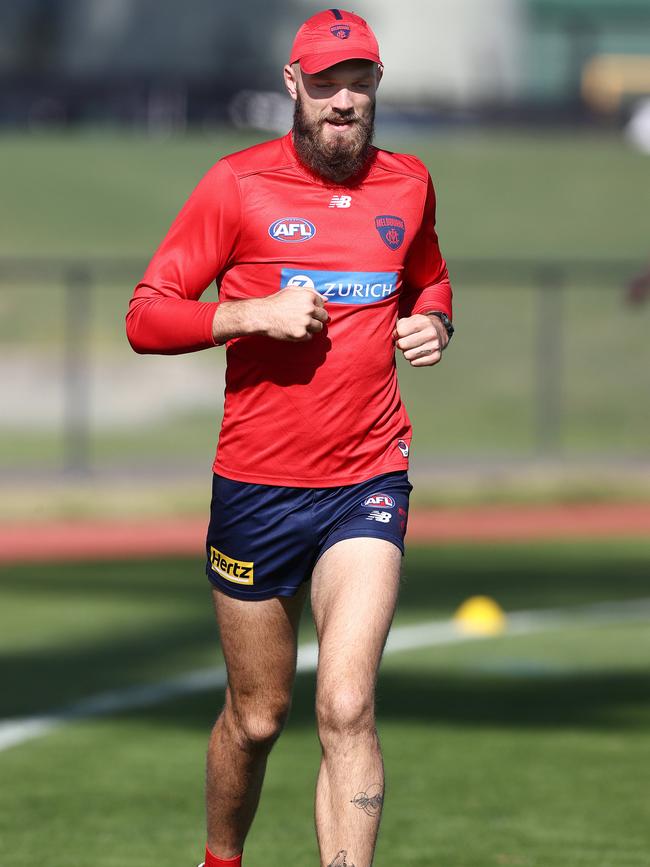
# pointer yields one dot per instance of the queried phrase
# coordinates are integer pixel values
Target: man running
(326, 259)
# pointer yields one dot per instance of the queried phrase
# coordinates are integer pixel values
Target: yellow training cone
(480, 615)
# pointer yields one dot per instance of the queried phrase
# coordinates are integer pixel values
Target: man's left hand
(421, 338)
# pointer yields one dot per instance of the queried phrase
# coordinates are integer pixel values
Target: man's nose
(342, 100)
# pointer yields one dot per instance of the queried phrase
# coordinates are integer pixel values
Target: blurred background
(534, 119)
(516, 739)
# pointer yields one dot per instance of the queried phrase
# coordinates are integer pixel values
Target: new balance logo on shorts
(238, 571)
(382, 517)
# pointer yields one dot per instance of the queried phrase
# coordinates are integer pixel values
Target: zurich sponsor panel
(344, 287)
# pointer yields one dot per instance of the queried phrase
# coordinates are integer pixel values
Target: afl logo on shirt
(292, 229)
(382, 501)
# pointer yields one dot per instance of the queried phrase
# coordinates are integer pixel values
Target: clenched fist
(294, 314)
(421, 338)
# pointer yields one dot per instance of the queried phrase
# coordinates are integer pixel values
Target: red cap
(330, 37)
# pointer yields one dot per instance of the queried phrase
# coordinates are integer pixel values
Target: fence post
(549, 362)
(76, 415)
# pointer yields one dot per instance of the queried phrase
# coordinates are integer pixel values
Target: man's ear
(291, 80)
(380, 73)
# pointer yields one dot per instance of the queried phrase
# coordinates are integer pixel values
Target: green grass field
(519, 750)
(515, 193)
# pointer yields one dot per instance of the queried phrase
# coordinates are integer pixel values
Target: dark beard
(337, 160)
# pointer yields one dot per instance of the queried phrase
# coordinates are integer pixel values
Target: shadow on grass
(437, 577)
(37, 681)
(594, 698)
(617, 700)
(521, 576)
(435, 581)
(173, 579)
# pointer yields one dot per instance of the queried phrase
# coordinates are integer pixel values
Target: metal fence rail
(551, 280)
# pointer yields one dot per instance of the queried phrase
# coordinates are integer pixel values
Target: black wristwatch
(446, 321)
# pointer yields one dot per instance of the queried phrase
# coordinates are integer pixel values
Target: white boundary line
(14, 732)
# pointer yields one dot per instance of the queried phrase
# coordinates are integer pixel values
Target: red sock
(212, 860)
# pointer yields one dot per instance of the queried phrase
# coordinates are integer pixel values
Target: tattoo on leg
(371, 801)
(341, 860)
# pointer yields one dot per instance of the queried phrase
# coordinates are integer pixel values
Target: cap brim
(313, 63)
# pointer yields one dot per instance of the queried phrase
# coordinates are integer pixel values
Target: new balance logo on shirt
(340, 202)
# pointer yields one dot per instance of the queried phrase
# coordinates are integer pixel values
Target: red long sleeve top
(327, 412)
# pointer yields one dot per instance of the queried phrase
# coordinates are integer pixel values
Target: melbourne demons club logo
(391, 230)
(292, 229)
(403, 447)
(381, 501)
(341, 31)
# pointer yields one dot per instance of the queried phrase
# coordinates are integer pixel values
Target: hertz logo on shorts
(237, 571)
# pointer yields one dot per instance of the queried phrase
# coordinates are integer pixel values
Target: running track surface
(94, 540)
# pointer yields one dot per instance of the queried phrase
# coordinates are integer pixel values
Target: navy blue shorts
(264, 541)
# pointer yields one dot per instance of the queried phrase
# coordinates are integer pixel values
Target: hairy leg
(354, 593)
(259, 641)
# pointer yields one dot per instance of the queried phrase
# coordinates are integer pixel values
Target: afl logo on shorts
(382, 501)
(292, 229)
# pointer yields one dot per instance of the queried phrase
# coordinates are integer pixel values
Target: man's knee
(257, 725)
(344, 712)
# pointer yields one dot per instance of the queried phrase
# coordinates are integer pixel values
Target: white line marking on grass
(430, 634)
(17, 731)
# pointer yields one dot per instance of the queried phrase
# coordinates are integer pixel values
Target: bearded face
(336, 144)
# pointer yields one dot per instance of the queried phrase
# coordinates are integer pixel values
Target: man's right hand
(293, 314)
